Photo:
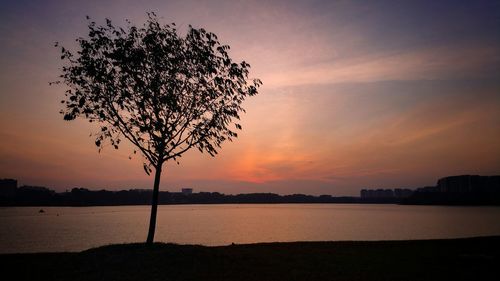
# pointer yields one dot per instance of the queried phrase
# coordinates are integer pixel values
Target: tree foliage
(164, 92)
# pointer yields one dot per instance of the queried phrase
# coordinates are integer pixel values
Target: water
(24, 229)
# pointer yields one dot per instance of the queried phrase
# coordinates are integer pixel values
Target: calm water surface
(23, 229)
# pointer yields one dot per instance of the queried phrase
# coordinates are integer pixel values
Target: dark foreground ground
(458, 259)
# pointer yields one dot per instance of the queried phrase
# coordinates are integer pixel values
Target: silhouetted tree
(164, 92)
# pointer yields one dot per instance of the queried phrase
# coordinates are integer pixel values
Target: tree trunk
(154, 205)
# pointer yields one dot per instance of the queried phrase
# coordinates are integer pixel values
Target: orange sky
(355, 95)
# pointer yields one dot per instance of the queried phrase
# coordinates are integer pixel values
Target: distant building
(458, 184)
(364, 193)
(8, 187)
(8, 183)
(377, 193)
(427, 189)
(402, 192)
(187, 191)
(469, 183)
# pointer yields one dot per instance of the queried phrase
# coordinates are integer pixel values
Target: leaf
(146, 169)
(69, 117)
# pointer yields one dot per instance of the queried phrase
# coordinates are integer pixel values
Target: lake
(24, 229)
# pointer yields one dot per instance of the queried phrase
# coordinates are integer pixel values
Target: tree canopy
(164, 92)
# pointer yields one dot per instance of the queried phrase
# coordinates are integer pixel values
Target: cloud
(438, 63)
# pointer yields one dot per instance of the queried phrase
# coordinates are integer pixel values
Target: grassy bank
(456, 259)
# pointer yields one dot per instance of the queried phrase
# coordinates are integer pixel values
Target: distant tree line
(11, 195)
(41, 196)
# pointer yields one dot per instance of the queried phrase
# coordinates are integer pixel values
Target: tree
(164, 92)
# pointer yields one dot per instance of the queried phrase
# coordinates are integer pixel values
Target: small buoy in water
(41, 211)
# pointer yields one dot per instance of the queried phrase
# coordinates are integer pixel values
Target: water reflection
(25, 229)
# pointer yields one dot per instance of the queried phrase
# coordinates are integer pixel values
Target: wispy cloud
(424, 64)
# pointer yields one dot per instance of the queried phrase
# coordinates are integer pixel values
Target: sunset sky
(356, 94)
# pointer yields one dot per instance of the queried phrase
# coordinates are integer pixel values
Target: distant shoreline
(445, 259)
(80, 197)
(464, 190)
(250, 203)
